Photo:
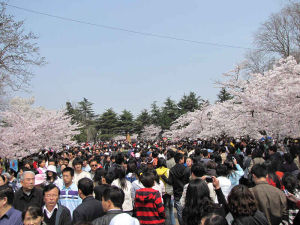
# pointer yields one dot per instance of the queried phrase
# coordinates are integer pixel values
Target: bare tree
(18, 53)
(280, 34)
(258, 61)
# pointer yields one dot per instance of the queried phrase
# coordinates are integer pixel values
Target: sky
(123, 70)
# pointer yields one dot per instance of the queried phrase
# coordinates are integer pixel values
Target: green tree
(189, 103)
(155, 114)
(142, 120)
(126, 124)
(224, 95)
(107, 124)
(170, 112)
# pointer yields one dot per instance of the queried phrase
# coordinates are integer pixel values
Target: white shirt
(78, 176)
(49, 214)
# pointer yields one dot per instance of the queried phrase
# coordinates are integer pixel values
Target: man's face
(60, 162)
(67, 177)
(51, 163)
(28, 182)
(66, 163)
(71, 156)
(94, 165)
(51, 198)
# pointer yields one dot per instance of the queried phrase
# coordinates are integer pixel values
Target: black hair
(34, 211)
(40, 160)
(115, 194)
(86, 186)
(99, 189)
(197, 203)
(68, 169)
(77, 161)
(198, 169)
(288, 158)
(100, 172)
(178, 156)
(215, 219)
(6, 191)
(147, 179)
(290, 182)
(259, 170)
(120, 174)
(161, 162)
(222, 170)
(109, 177)
(49, 187)
(273, 148)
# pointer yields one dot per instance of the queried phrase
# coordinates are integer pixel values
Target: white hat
(52, 169)
(137, 155)
(124, 219)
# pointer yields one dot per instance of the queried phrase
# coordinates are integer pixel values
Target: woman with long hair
(33, 215)
(52, 178)
(242, 206)
(198, 204)
(126, 186)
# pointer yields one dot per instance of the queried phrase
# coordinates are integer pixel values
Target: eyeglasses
(94, 165)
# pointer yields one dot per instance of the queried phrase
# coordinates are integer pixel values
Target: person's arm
(240, 170)
(168, 180)
(160, 206)
(220, 195)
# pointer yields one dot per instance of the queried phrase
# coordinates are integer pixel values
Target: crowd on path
(216, 182)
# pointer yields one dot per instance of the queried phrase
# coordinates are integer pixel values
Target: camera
(209, 179)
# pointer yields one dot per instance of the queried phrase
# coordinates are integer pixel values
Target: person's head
(241, 202)
(256, 153)
(51, 172)
(6, 196)
(85, 187)
(113, 197)
(94, 165)
(222, 170)
(198, 170)
(272, 149)
(147, 179)
(77, 164)
(33, 215)
(213, 219)
(290, 182)
(258, 171)
(99, 189)
(41, 162)
(99, 176)
(52, 162)
(161, 162)
(71, 155)
(197, 202)
(68, 174)
(66, 161)
(51, 195)
(189, 162)
(179, 158)
(27, 180)
(3, 180)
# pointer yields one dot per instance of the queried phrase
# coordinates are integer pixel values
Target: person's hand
(292, 198)
(234, 161)
(203, 178)
(216, 182)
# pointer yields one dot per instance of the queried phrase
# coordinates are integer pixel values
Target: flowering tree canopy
(267, 102)
(26, 129)
(150, 132)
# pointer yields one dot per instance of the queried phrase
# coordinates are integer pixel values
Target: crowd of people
(191, 182)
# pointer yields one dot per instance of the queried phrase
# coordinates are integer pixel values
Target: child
(148, 205)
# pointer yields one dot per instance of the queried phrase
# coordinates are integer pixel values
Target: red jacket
(148, 207)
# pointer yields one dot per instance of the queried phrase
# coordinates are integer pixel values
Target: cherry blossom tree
(267, 102)
(26, 130)
(150, 132)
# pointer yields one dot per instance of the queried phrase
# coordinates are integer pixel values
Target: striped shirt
(148, 206)
(69, 197)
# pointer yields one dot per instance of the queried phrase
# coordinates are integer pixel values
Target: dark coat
(63, 216)
(105, 220)
(177, 178)
(88, 210)
(22, 201)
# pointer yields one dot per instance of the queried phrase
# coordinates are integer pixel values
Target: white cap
(52, 168)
